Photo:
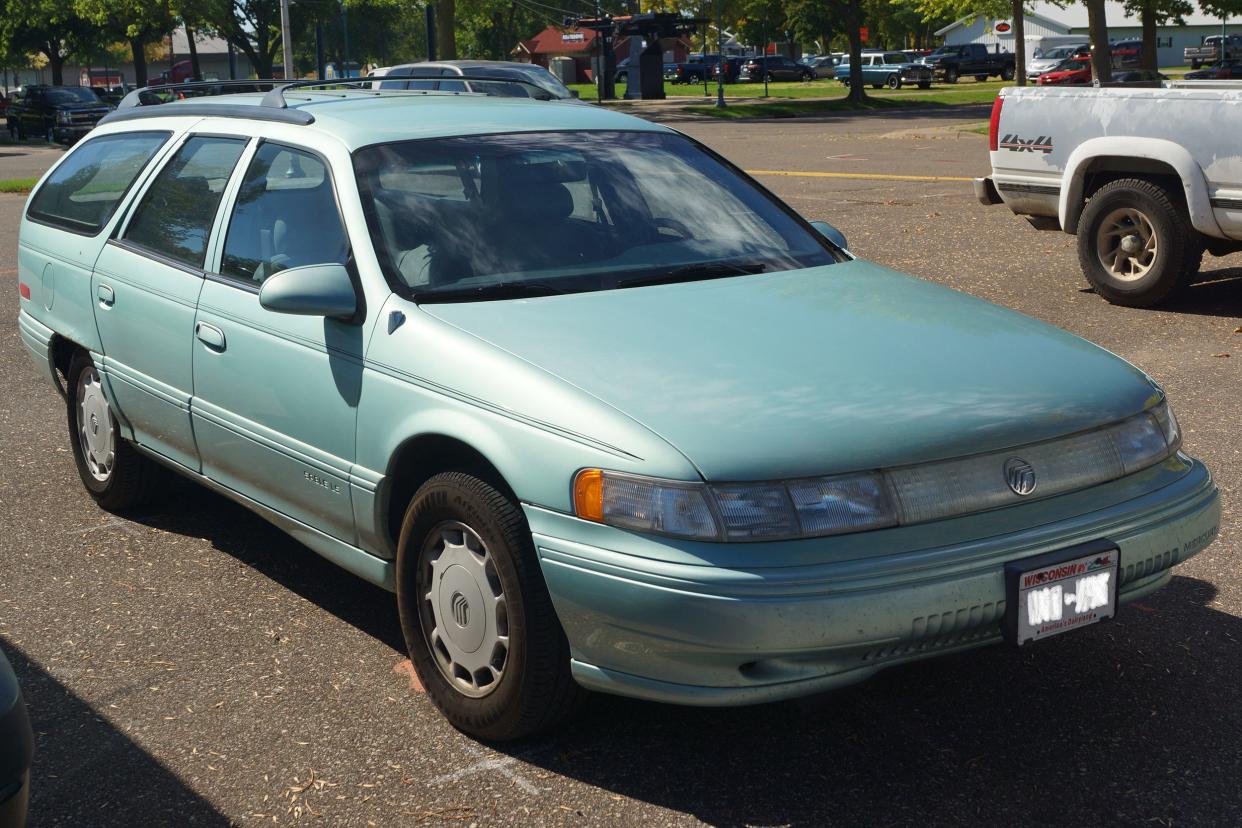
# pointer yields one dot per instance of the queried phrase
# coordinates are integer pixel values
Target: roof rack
(145, 102)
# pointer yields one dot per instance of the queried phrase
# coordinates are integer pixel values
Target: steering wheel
(677, 226)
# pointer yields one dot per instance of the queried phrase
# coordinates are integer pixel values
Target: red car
(1075, 71)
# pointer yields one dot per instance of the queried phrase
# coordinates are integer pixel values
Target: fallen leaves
(407, 667)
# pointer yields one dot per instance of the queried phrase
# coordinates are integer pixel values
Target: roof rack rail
(145, 102)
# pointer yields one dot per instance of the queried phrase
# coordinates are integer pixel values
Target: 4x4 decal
(1015, 143)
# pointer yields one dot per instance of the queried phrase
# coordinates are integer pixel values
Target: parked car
(1051, 58)
(824, 66)
(1223, 70)
(1075, 71)
(1127, 54)
(889, 69)
(775, 68)
(1214, 49)
(970, 60)
(1137, 77)
(58, 114)
(16, 750)
(1143, 178)
(533, 77)
(466, 348)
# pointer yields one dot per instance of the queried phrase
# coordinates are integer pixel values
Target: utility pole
(763, 61)
(720, 101)
(286, 40)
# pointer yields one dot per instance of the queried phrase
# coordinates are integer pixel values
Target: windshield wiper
(484, 293)
(695, 273)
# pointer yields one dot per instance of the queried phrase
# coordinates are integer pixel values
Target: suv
(531, 78)
(467, 348)
(776, 68)
(59, 114)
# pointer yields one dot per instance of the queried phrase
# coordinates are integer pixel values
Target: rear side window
(83, 192)
(177, 211)
(285, 216)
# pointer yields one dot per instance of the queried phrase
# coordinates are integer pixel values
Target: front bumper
(696, 633)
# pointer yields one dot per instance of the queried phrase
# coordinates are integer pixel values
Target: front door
(145, 286)
(276, 395)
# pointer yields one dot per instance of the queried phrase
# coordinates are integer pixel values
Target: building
(579, 45)
(1047, 20)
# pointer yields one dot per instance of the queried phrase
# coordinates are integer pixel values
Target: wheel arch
(1100, 160)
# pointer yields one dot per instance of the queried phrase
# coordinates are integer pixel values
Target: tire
(1007, 73)
(620, 78)
(808, 77)
(845, 82)
(491, 570)
(893, 82)
(1194, 64)
(50, 134)
(1149, 277)
(950, 75)
(18, 131)
(128, 478)
(924, 84)
(981, 78)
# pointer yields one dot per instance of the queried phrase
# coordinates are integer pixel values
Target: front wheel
(892, 82)
(1135, 245)
(924, 84)
(476, 614)
(981, 78)
(113, 471)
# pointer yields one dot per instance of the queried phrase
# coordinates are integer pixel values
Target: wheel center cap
(1131, 244)
(460, 601)
(94, 424)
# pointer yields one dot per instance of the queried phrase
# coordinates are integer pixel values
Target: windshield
(497, 216)
(1059, 53)
(71, 95)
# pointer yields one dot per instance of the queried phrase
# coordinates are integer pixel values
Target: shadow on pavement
(1216, 292)
(86, 772)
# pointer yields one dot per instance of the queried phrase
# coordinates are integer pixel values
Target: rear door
(146, 284)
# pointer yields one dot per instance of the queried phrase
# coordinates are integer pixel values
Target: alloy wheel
(1126, 244)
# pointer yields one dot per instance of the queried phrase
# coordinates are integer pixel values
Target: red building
(579, 45)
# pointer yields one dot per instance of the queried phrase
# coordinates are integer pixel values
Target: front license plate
(1061, 591)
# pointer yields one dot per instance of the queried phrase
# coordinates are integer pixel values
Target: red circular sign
(1002, 27)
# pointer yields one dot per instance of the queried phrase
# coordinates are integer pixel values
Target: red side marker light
(23, 289)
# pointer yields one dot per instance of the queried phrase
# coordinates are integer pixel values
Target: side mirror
(830, 233)
(313, 290)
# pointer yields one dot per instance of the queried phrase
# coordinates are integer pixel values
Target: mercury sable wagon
(466, 348)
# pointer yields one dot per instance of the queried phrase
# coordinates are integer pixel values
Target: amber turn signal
(589, 495)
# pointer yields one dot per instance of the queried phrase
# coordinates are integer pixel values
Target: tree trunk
(195, 69)
(446, 29)
(1101, 52)
(56, 63)
(1019, 43)
(138, 49)
(1148, 58)
(853, 22)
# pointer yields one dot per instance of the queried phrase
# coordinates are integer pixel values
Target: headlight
(820, 506)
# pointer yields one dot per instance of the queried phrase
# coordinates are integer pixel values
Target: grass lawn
(17, 185)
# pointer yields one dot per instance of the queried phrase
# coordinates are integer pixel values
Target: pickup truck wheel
(981, 78)
(113, 471)
(1007, 73)
(476, 614)
(950, 75)
(893, 82)
(1136, 247)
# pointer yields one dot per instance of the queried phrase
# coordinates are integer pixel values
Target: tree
(51, 28)
(850, 15)
(135, 22)
(1014, 9)
(1101, 53)
(446, 29)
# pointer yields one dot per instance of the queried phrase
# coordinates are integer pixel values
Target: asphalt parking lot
(194, 666)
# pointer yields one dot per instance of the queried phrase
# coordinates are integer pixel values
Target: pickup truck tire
(924, 84)
(112, 470)
(1194, 64)
(950, 75)
(475, 612)
(981, 78)
(1136, 246)
(1007, 73)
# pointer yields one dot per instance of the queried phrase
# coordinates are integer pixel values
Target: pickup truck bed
(1147, 179)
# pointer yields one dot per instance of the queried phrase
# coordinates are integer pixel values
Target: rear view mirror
(313, 290)
(830, 233)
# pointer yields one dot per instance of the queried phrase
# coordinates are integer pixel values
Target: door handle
(107, 296)
(209, 335)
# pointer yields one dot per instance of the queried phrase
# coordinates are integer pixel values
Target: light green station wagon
(476, 350)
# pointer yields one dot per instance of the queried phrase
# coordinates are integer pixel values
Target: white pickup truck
(1146, 178)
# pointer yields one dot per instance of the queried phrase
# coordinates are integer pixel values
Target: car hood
(817, 371)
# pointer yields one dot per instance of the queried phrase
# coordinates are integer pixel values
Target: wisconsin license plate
(1061, 591)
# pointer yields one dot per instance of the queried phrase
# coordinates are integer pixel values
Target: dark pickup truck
(701, 67)
(949, 63)
(61, 114)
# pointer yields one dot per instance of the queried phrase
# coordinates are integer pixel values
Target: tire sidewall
(438, 501)
(1169, 269)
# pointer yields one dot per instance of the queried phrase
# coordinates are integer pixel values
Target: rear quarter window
(83, 192)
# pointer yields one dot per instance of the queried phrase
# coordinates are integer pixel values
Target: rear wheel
(950, 75)
(893, 82)
(1007, 73)
(113, 471)
(1136, 246)
(924, 84)
(980, 78)
(476, 614)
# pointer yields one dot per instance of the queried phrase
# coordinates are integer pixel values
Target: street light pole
(720, 101)
(286, 39)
